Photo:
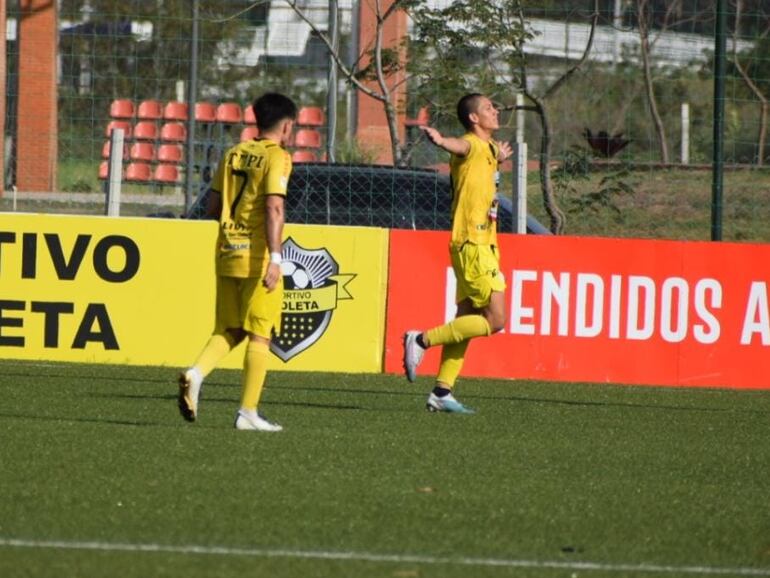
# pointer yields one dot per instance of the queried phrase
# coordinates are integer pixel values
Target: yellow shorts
(246, 304)
(477, 269)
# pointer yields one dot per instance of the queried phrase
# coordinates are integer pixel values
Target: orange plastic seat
(422, 118)
(173, 132)
(142, 151)
(146, 130)
(205, 112)
(122, 108)
(248, 115)
(140, 172)
(122, 124)
(170, 153)
(229, 113)
(166, 174)
(304, 157)
(149, 110)
(310, 116)
(307, 138)
(249, 133)
(175, 110)
(104, 170)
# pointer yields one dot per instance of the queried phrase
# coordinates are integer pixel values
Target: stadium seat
(248, 115)
(205, 112)
(173, 132)
(146, 130)
(122, 124)
(142, 151)
(248, 133)
(166, 174)
(149, 110)
(122, 108)
(104, 170)
(310, 116)
(307, 138)
(139, 172)
(170, 153)
(304, 157)
(229, 113)
(175, 110)
(422, 118)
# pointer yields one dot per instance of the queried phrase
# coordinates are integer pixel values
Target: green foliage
(572, 182)
(468, 46)
(349, 151)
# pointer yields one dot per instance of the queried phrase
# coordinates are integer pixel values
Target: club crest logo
(312, 286)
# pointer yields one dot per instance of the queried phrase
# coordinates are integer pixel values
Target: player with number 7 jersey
(247, 174)
(247, 197)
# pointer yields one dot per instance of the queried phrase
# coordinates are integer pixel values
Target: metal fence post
(114, 174)
(685, 133)
(520, 187)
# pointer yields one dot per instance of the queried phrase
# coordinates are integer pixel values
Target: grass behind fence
(544, 473)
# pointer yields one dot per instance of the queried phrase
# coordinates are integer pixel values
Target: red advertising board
(630, 311)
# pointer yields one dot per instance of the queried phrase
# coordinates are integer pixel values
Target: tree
(384, 65)
(480, 46)
(752, 84)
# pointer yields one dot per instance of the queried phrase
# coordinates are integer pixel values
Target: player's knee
(498, 324)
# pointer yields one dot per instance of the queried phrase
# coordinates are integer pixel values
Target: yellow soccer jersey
(247, 174)
(473, 191)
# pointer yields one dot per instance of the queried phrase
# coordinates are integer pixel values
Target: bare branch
(349, 74)
(594, 21)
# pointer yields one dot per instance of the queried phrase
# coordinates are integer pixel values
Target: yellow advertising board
(141, 292)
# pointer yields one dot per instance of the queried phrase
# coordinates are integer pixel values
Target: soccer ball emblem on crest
(312, 286)
(294, 276)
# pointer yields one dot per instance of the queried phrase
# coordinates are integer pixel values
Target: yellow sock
(217, 347)
(458, 330)
(254, 372)
(452, 358)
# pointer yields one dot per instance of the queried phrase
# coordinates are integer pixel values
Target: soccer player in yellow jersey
(473, 249)
(247, 197)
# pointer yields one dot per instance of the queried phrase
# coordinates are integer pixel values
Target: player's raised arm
(453, 145)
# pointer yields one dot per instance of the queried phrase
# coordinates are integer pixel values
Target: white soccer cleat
(190, 382)
(251, 420)
(412, 354)
(447, 404)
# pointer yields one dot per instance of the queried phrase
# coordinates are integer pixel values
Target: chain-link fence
(616, 97)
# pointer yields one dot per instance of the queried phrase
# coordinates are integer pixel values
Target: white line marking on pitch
(372, 557)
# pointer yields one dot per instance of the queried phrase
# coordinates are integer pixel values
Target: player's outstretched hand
(271, 276)
(433, 135)
(504, 149)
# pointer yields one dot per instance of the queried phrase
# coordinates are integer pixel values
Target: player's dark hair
(271, 108)
(467, 105)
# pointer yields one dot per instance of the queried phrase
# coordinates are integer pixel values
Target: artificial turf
(100, 476)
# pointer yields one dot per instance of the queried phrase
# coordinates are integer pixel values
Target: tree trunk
(752, 86)
(644, 35)
(558, 219)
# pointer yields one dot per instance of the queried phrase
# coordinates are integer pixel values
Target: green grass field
(100, 477)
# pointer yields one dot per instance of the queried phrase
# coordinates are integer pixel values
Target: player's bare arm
(504, 150)
(274, 219)
(453, 145)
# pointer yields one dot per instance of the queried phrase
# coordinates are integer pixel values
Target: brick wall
(37, 119)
